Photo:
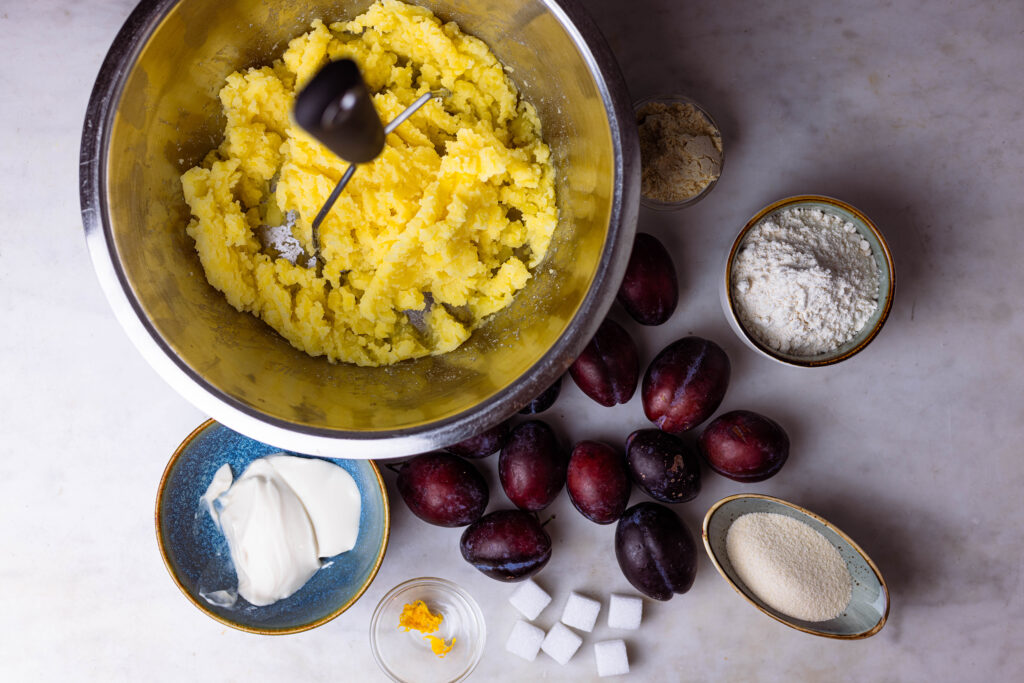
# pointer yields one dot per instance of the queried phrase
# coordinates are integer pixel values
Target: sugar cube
(561, 643)
(580, 612)
(625, 612)
(611, 658)
(525, 640)
(530, 599)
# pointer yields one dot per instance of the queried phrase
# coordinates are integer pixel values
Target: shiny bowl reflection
(154, 113)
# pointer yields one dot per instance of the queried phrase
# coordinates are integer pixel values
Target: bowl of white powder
(809, 281)
(796, 567)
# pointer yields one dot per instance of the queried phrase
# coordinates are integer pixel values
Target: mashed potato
(436, 234)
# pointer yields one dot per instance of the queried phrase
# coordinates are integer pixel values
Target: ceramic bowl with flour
(809, 281)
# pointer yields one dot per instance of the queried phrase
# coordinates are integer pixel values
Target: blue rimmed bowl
(869, 602)
(196, 555)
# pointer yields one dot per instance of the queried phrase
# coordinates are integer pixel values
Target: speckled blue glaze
(191, 543)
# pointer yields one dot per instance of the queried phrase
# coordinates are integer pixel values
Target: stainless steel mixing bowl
(154, 113)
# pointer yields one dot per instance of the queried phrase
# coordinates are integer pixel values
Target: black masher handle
(335, 107)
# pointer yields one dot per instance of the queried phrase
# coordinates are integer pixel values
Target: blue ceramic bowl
(196, 554)
(869, 603)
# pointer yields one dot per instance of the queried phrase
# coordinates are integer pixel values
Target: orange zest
(418, 617)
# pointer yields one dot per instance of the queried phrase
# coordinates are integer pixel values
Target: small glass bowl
(406, 656)
(656, 204)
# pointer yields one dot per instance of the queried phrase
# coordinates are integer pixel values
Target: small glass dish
(405, 656)
(657, 204)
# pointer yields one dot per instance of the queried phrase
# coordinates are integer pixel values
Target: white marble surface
(909, 110)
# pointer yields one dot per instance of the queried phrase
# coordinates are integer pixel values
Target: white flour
(804, 282)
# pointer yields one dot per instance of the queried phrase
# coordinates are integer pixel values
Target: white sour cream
(280, 518)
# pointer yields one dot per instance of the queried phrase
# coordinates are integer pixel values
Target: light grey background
(911, 111)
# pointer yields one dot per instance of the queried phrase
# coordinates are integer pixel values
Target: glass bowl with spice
(427, 630)
(681, 151)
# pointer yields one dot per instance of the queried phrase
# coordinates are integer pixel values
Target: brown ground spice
(680, 149)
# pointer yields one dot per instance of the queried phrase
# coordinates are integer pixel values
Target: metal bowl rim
(121, 57)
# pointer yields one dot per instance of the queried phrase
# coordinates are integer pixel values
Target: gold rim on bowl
(261, 631)
(832, 527)
(813, 361)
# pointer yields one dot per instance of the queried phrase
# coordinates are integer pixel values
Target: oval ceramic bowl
(869, 603)
(196, 554)
(657, 204)
(886, 281)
